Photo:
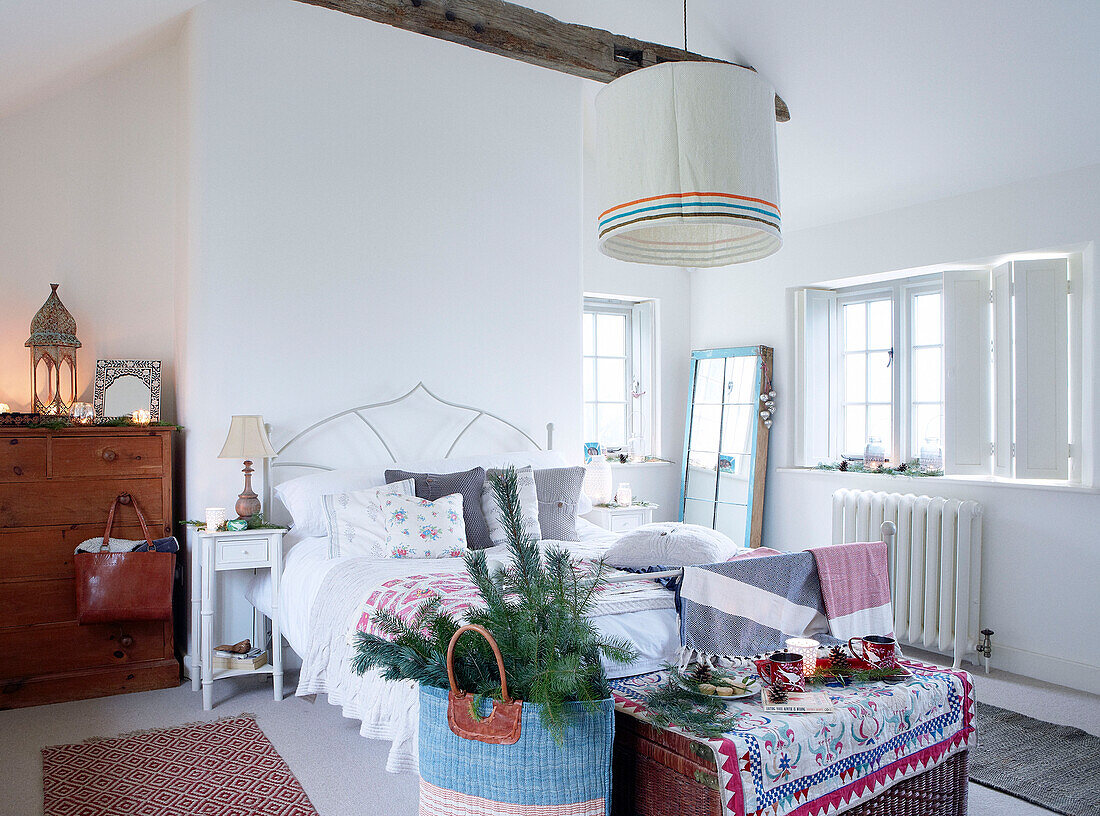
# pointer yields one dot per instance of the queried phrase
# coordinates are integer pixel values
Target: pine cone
(903, 467)
(700, 673)
(838, 660)
(777, 695)
(843, 465)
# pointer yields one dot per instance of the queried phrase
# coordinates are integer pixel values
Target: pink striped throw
(855, 583)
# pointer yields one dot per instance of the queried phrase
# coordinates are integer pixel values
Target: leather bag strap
(481, 630)
(503, 724)
(126, 498)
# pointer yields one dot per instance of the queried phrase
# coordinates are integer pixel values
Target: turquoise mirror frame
(726, 442)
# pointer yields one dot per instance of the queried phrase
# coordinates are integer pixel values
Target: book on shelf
(798, 702)
(252, 659)
(251, 653)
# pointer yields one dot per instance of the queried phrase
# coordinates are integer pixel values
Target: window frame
(607, 306)
(911, 289)
(642, 364)
(901, 294)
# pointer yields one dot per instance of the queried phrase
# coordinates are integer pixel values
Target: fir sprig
(669, 704)
(535, 607)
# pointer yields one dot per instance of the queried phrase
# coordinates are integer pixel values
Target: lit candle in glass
(215, 518)
(4, 409)
(82, 412)
(807, 647)
(141, 417)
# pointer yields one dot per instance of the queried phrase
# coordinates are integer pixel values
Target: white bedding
(388, 710)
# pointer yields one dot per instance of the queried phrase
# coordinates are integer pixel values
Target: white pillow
(671, 544)
(528, 501)
(418, 528)
(354, 519)
(302, 496)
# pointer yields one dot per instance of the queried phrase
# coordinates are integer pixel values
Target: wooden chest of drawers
(56, 487)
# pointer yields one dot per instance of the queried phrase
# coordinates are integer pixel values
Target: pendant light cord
(686, 27)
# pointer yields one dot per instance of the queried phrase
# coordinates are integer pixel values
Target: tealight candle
(215, 518)
(807, 647)
(141, 417)
(4, 409)
(82, 412)
(624, 495)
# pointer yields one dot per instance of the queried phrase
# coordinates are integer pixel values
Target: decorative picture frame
(108, 371)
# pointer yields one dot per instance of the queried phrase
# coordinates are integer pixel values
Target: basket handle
(481, 630)
(125, 498)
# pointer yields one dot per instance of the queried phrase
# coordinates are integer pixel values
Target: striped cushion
(469, 483)
(559, 490)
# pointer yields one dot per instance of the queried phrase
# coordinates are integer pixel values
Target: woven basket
(658, 773)
(507, 762)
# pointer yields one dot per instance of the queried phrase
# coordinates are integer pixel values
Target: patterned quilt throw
(808, 764)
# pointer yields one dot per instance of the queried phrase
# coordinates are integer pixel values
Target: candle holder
(141, 417)
(807, 647)
(215, 519)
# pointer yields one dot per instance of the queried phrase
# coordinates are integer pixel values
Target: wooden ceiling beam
(523, 34)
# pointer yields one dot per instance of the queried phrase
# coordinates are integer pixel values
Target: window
(968, 367)
(619, 353)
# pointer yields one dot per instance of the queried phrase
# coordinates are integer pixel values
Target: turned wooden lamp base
(248, 503)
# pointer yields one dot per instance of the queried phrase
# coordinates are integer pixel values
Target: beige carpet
(342, 773)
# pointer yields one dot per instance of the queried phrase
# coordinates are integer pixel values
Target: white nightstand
(621, 519)
(212, 553)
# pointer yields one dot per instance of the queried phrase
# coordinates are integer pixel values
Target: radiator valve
(985, 647)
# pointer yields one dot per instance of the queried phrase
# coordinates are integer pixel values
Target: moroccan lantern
(53, 346)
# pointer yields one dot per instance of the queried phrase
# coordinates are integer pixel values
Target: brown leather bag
(124, 586)
(501, 726)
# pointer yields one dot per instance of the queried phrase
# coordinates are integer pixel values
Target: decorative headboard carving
(416, 425)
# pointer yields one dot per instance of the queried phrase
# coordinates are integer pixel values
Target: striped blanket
(855, 584)
(753, 605)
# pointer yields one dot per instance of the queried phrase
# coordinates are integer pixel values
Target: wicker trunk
(661, 773)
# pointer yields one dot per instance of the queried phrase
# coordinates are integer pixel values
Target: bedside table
(221, 552)
(621, 519)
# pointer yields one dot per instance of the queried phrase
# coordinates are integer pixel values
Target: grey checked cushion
(558, 490)
(469, 483)
(528, 501)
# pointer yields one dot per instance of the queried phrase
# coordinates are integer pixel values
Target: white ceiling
(892, 103)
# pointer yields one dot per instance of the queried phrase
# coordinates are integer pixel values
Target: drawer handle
(244, 552)
(126, 641)
(18, 471)
(109, 456)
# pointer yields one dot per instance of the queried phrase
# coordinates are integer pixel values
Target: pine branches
(535, 607)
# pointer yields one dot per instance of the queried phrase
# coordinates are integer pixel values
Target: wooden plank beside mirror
(726, 442)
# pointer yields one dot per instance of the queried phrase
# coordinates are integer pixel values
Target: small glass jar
(874, 455)
(624, 495)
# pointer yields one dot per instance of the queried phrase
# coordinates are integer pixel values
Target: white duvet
(317, 630)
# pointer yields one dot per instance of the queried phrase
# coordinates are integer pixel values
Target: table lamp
(247, 440)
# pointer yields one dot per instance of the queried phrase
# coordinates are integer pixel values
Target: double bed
(323, 598)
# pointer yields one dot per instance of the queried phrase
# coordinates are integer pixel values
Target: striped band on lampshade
(686, 156)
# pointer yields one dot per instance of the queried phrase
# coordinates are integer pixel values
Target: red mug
(782, 670)
(877, 649)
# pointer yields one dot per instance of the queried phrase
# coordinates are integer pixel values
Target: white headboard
(417, 425)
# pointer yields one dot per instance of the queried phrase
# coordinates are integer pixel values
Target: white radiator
(935, 562)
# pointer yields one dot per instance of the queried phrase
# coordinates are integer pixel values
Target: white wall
(370, 208)
(88, 199)
(671, 287)
(1041, 557)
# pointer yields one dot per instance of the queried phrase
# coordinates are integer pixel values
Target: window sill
(981, 481)
(656, 463)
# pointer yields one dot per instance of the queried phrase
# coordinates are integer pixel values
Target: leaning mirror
(125, 386)
(730, 410)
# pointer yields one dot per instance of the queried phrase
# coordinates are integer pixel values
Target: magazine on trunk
(797, 702)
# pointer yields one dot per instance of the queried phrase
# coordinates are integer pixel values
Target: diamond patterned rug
(226, 767)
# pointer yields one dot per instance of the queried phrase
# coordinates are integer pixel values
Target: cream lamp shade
(247, 439)
(686, 164)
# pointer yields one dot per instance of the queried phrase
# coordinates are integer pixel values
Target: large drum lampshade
(687, 166)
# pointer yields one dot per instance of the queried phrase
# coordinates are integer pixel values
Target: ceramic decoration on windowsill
(874, 455)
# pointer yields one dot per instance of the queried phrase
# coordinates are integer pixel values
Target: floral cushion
(419, 528)
(354, 520)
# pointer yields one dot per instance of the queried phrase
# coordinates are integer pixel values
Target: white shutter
(967, 393)
(1003, 388)
(1041, 352)
(645, 351)
(815, 323)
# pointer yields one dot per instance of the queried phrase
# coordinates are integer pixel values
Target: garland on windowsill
(614, 505)
(910, 468)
